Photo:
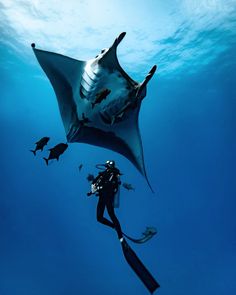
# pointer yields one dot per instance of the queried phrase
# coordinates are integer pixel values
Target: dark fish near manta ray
(100, 96)
(40, 144)
(128, 186)
(80, 167)
(56, 151)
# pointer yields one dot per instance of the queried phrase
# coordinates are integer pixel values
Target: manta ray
(98, 101)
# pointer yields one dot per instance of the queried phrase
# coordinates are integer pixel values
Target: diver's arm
(93, 185)
(97, 177)
(93, 191)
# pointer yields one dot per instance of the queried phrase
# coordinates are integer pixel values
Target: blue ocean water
(50, 241)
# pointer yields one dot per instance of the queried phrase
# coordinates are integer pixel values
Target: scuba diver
(106, 185)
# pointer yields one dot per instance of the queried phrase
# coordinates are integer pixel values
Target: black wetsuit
(108, 182)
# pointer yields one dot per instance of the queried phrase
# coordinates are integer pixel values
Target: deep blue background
(50, 241)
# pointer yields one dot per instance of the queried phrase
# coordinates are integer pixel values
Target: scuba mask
(108, 164)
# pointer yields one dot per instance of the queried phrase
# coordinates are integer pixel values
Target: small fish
(80, 167)
(90, 177)
(128, 186)
(100, 96)
(40, 145)
(56, 151)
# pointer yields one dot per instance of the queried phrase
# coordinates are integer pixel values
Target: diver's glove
(93, 188)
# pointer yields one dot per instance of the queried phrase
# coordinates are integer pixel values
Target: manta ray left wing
(65, 74)
(98, 101)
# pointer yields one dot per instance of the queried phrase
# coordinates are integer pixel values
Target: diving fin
(138, 267)
(147, 235)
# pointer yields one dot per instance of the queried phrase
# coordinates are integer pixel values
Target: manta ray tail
(149, 184)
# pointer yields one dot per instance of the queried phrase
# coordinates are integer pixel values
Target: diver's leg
(100, 212)
(111, 212)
